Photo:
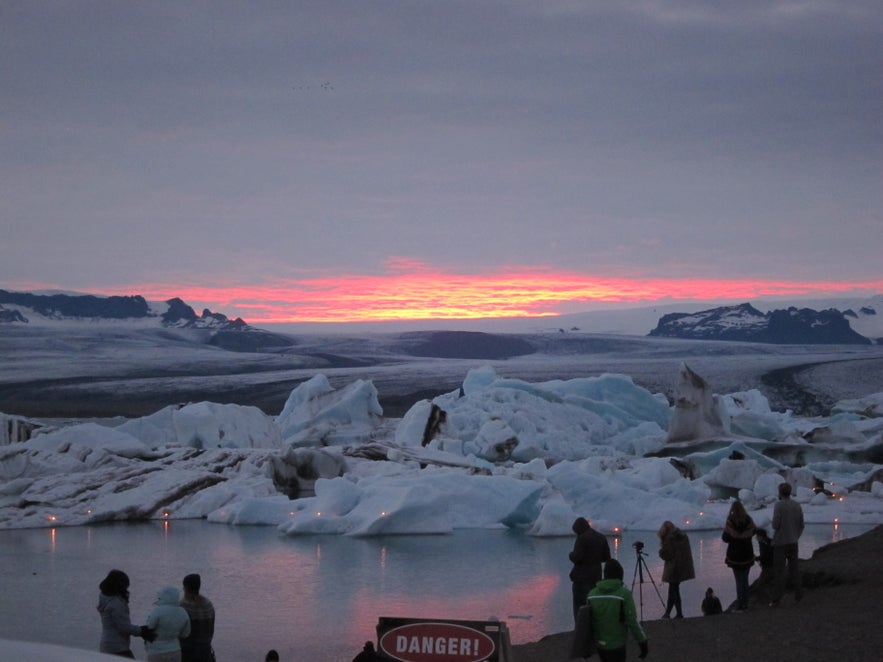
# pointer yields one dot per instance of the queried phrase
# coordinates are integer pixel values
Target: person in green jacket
(614, 615)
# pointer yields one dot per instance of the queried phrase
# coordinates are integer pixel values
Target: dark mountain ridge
(744, 323)
(234, 335)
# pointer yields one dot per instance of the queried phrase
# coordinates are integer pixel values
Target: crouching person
(614, 616)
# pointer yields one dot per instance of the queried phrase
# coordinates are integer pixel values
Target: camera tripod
(640, 569)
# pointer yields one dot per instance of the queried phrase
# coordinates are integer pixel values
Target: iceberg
(495, 453)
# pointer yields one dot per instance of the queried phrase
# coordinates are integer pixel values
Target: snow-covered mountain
(134, 311)
(26, 307)
(861, 314)
(798, 326)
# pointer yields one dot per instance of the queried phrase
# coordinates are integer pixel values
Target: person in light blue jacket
(171, 623)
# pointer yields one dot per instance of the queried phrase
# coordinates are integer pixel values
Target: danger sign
(430, 641)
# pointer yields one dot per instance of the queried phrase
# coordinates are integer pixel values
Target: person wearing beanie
(614, 616)
(590, 550)
(197, 647)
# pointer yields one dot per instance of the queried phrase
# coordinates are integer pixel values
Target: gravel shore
(838, 618)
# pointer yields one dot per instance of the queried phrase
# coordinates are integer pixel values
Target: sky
(340, 161)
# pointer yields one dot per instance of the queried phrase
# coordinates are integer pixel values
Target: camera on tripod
(640, 570)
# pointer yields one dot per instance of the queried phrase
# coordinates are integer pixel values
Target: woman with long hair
(116, 625)
(675, 550)
(738, 532)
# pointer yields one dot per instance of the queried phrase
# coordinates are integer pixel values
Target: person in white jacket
(171, 623)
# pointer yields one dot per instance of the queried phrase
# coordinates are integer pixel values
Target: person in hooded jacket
(116, 624)
(711, 604)
(614, 616)
(738, 533)
(590, 550)
(171, 623)
(675, 550)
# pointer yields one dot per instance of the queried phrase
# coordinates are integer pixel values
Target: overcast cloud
(252, 142)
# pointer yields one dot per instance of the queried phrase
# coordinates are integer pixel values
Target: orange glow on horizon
(411, 291)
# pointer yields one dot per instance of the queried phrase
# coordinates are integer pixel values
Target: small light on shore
(165, 513)
(53, 518)
(383, 513)
(318, 513)
(291, 512)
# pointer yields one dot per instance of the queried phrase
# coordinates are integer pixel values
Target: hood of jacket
(608, 585)
(168, 596)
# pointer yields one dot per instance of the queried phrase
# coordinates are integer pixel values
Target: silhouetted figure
(788, 526)
(590, 550)
(369, 654)
(738, 534)
(765, 559)
(198, 646)
(711, 605)
(271, 656)
(674, 549)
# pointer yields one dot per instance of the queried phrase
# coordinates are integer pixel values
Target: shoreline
(837, 619)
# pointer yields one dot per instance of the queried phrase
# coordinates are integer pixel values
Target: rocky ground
(838, 618)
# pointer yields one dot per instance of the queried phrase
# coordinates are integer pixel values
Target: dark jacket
(765, 553)
(197, 647)
(740, 548)
(712, 605)
(590, 550)
(678, 556)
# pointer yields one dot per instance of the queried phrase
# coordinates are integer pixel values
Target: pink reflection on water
(528, 599)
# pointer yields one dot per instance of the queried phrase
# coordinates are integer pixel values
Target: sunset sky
(339, 161)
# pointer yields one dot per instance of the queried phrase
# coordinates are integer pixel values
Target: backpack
(583, 644)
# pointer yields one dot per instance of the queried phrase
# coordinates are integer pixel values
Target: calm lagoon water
(318, 598)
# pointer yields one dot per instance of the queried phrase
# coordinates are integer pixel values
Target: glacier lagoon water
(319, 597)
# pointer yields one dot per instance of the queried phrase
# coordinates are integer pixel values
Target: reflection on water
(319, 597)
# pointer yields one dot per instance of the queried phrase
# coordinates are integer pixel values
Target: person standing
(738, 533)
(614, 616)
(787, 527)
(197, 647)
(674, 549)
(116, 624)
(171, 623)
(590, 550)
